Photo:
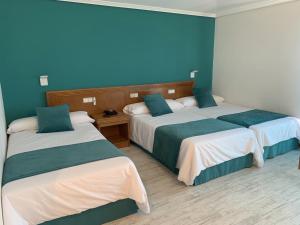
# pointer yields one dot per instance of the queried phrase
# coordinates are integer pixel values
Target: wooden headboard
(116, 97)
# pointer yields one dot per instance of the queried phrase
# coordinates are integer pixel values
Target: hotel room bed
(276, 133)
(197, 148)
(93, 191)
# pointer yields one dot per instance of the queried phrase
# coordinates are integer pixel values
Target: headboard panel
(3, 145)
(116, 97)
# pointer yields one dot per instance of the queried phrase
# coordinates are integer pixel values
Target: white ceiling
(206, 6)
(210, 8)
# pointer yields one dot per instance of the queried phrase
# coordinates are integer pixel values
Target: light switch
(44, 80)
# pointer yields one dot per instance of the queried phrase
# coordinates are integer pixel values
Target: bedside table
(114, 128)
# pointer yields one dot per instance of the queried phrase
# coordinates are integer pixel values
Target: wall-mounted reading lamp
(193, 74)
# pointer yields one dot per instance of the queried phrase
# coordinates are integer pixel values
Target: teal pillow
(157, 105)
(54, 119)
(204, 98)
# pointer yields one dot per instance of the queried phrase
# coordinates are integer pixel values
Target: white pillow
(141, 108)
(31, 123)
(80, 117)
(191, 101)
(136, 109)
(174, 105)
(28, 123)
(218, 99)
(188, 101)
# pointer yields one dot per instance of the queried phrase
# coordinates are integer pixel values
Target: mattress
(267, 133)
(199, 152)
(70, 190)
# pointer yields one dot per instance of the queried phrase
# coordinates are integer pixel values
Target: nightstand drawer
(114, 128)
(111, 123)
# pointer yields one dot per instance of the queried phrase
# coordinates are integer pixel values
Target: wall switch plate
(134, 95)
(171, 91)
(44, 80)
(90, 100)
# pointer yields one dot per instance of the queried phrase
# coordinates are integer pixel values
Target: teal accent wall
(82, 46)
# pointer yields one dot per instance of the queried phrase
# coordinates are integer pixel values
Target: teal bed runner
(281, 148)
(224, 168)
(168, 138)
(37, 162)
(99, 215)
(252, 117)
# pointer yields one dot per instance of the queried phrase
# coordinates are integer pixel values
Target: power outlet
(88, 100)
(171, 91)
(134, 95)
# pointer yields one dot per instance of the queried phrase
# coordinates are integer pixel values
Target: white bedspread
(199, 152)
(268, 133)
(72, 190)
(220, 110)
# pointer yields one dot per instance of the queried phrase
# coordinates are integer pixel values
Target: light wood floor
(266, 196)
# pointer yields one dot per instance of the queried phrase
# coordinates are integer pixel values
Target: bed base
(281, 148)
(245, 161)
(240, 163)
(220, 170)
(100, 215)
(224, 168)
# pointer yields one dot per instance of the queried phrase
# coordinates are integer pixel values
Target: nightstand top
(103, 121)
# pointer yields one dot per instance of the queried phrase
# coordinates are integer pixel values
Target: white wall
(257, 58)
(3, 143)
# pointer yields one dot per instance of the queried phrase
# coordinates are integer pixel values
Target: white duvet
(199, 152)
(68, 191)
(268, 133)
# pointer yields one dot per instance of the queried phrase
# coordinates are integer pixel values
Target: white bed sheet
(72, 190)
(199, 152)
(268, 133)
(220, 110)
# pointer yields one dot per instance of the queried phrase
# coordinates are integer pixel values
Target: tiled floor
(266, 196)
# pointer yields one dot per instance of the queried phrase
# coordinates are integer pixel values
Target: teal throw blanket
(252, 117)
(167, 139)
(37, 162)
